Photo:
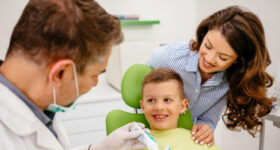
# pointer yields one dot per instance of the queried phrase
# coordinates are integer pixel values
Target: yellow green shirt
(178, 139)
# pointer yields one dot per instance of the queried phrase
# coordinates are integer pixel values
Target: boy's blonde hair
(162, 75)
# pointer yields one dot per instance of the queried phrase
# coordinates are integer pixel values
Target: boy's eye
(150, 100)
(167, 100)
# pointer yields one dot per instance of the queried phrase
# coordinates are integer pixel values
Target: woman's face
(215, 53)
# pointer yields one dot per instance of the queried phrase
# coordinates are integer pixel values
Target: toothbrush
(145, 138)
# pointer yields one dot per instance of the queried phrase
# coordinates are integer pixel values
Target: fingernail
(201, 143)
(193, 133)
(193, 138)
(196, 141)
(208, 144)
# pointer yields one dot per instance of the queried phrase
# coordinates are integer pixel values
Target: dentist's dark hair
(49, 30)
(247, 101)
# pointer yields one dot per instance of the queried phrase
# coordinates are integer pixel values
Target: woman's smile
(206, 64)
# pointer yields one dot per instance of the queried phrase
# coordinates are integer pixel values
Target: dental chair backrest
(131, 93)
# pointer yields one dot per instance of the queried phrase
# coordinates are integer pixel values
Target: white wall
(268, 11)
(176, 17)
(10, 11)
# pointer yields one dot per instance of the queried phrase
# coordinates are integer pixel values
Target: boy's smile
(160, 116)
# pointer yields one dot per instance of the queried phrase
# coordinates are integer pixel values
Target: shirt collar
(46, 119)
(192, 65)
(216, 79)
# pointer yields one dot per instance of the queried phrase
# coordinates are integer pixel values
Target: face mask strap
(56, 108)
(54, 95)
(76, 85)
(76, 80)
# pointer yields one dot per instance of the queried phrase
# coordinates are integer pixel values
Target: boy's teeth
(160, 116)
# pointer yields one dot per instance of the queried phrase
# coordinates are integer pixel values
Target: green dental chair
(131, 94)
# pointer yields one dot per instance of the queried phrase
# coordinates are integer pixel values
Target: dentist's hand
(121, 139)
(203, 134)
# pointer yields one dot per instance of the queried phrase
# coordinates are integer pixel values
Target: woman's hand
(203, 134)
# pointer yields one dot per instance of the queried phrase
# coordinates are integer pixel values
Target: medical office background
(170, 21)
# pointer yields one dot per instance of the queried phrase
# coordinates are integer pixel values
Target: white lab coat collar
(20, 119)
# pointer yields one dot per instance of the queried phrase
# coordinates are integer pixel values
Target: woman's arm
(212, 115)
(203, 130)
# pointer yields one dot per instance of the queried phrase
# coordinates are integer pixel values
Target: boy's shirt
(178, 139)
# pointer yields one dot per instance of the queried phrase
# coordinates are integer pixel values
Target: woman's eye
(223, 59)
(206, 45)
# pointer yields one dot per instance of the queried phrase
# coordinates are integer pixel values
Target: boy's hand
(203, 134)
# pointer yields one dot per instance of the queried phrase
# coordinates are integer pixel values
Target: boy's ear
(58, 69)
(184, 104)
(141, 105)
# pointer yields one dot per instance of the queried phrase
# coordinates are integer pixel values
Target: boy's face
(162, 104)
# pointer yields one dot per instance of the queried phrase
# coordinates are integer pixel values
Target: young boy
(162, 103)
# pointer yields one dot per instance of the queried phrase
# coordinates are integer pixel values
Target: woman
(224, 66)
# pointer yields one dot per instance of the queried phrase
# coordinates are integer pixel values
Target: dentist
(56, 52)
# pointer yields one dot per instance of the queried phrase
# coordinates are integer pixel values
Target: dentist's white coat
(20, 129)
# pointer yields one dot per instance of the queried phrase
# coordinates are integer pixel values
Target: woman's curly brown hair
(247, 101)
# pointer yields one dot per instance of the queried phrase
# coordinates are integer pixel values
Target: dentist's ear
(57, 70)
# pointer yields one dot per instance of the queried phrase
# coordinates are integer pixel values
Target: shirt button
(196, 91)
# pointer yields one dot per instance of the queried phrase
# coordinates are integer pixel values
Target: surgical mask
(57, 108)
